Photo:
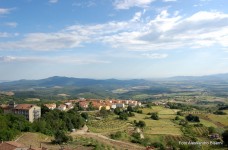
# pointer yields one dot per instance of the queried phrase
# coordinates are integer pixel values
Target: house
(62, 107)
(83, 104)
(50, 106)
(120, 105)
(30, 111)
(69, 105)
(97, 105)
(107, 107)
(113, 106)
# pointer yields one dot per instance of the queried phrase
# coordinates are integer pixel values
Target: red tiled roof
(24, 106)
(50, 105)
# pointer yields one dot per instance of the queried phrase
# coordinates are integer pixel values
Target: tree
(117, 135)
(136, 138)
(225, 137)
(211, 130)
(61, 137)
(44, 109)
(130, 109)
(219, 112)
(179, 113)
(192, 118)
(90, 106)
(154, 116)
(117, 111)
(103, 112)
(177, 118)
(123, 116)
(85, 115)
(141, 124)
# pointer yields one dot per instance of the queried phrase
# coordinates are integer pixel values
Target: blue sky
(112, 38)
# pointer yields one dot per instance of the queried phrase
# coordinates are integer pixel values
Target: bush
(219, 112)
(61, 137)
(123, 116)
(140, 124)
(179, 113)
(177, 118)
(117, 135)
(158, 145)
(211, 130)
(192, 118)
(154, 116)
(136, 138)
(131, 114)
(85, 115)
(117, 111)
(139, 111)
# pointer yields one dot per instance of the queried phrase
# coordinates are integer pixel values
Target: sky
(121, 39)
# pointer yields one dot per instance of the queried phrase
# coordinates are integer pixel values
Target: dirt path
(106, 140)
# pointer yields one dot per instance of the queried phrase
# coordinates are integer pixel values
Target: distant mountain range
(68, 81)
(57, 81)
(215, 77)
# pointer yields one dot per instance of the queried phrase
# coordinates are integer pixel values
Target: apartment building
(30, 111)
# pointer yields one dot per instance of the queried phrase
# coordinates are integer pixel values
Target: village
(33, 112)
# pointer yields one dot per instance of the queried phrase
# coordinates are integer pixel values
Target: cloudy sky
(112, 38)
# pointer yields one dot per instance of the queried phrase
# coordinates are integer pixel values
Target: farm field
(107, 125)
(162, 126)
(217, 120)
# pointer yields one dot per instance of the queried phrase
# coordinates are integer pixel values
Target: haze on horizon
(113, 38)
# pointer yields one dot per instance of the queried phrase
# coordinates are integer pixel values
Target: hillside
(54, 88)
(67, 81)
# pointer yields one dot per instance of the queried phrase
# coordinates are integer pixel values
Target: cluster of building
(30, 111)
(33, 112)
(95, 103)
(107, 104)
(63, 107)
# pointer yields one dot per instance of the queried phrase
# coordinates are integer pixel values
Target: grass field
(201, 131)
(107, 125)
(214, 120)
(162, 126)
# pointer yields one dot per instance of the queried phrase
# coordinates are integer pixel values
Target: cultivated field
(162, 126)
(107, 125)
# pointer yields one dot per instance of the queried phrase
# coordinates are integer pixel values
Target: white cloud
(53, 1)
(137, 17)
(167, 31)
(164, 31)
(6, 58)
(4, 11)
(11, 24)
(84, 4)
(46, 41)
(155, 55)
(126, 4)
(4, 34)
(169, 0)
(58, 60)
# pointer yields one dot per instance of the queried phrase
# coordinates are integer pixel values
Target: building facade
(30, 111)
